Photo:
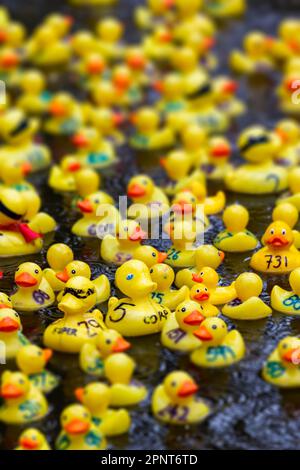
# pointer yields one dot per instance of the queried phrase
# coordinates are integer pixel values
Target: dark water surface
(247, 412)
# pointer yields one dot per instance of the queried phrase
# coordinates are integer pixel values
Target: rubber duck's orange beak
(292, 356)
(221, 151)
(182, 207)
(197, 278)
(121, 345)
(57, 109)
(3, 36)
(26, 168)
(187, 388)
(162, 162)
(85, 206)
(136, 62)
(282, 135)
(294, 45)
(25, 280)
(291, 85)
(69, 20)
(203, 334)
(138, 235)
(74, 166)
(10, 391)
(79, 393)
(47, 354)
(8, 325)
(135, 190)
(168, 3)
(201, 296)
(132, 118)
(209, 43)
(194, 318)
(277, 241)
(77, 426)
(222, 255)
(28, 444)
(63, 276)
(158, 86)
(122, 81)
(79, 140)
(161, 257)
(118, 119)
(231, 87)
(10, 60)
(95, 66)
(165, 36)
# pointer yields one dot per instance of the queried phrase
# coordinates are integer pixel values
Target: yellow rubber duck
(92, 356)
(99, 216)
(259, 175)
(178, 331)
(294, 187)
(32, 439)
(282, 366)
(174, 401)
(235, 238)
(148, 134)
(110, 31)
(109, 123)
(289, 133)
(142, 190)
(288, 213)
(287, 301)
(90, 68)
(194, 140)
(163, 275)
(80, 268)
(225, 95)
(279, 255)
(93, 149)
(128, 93)
(217, 158)
(96, 398)
(190, 18)
(212, 204)
(149, 255)
(220, 348)
(33, 290)
(34, 97)
(59, 255)
(18, 131)
(256, 57)
(136, 314)
(209, 277)
(185, 61)
(10, 62)
(70, 176)
(125, 391)
(181, 254)
(87, 181)
(172, 103)
(120, 248)
(13, 175)
(225, 9)
(247, 305)
(79, 324)
(78, 430)
(200, 294)
(31, 360)
(23, 402)
(155, 11)
(11, 330)
(46, 48)
(65, 115)
(185, 205)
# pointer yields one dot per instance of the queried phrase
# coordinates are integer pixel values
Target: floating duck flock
(160, 97)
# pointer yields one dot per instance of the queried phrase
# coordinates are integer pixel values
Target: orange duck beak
(25, 280)
(221, 151)
(135, 190)
(79, 140)
(292, 356)
(209, 43)
(4, 306)
(77, 426)
(197, 278)
(282, 135)
(63, 276)
(138, 235)
(277, 241)
(74, 166)
(203, 334)
(10, 391)
(187, 389)
(201, 296)
(8, 325)
(57, 109)
(136, 62)
(194, 318)
(230, 87)
(47, 353)
(85, 206)
(10, 60)
(26, 168)
(28, 444)
(118, 119)
(182, 207)
(79, 393)
(161, 257)
(95, 66)
(3, 36)
(121, 345)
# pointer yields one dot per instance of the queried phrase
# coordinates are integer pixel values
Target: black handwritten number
(122, 309)
(275, 261)
(278, 259)
(90, 323)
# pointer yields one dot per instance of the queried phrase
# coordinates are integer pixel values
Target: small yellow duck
(142, 190)
(34, 97)
(185, 205)
(288, 213)
(80, 268)
(149, 255)
(216, 163)
(79, 324)
(109, 35)
(182, 252)
(78, 430)
(287, 301)
(294, 187)
(279, 255)
(159, 46)
(46, 48)
(120, 248)
(59, 255)
(172, 103)
(282, 366)
(92, 356)
(220, 348)
(11, 330)
(225, 93)
(212, 204)
(226, 8)
(109, 123)
(174, 400)
(32, 439)
(65, 115)
(163, 275)
(247, 305)
(289, 133)
(256, 57)
(235, 238)
(13, 176)
(62, 176)
(125, 391)
(92, 149)
(178, 331)
(32, 360)
(96, 397)
(148, 135)
(200, 294)
(23, 402)
(33, 290)
(137, 314)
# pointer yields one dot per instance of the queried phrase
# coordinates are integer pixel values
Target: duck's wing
(90, 360)
(102, 285)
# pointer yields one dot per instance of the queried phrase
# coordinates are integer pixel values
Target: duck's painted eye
(73, 271)
(173, 384)
(214, 327)
(125, 229)
(129, 277)
(16, 315)
(283, 231)
(39, 353)
(108, 341)
(85, 415)
(205, 289)
(36, 271)
(21, 381)
(151, 271)
(183, 309)
(201, 274)
(97, 201)
(284, 346)
(154, 254)
(272, 231)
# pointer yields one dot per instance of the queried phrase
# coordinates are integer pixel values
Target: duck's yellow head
(289, 350)
(119, 368)
(74, 268)
(104, 93)
(83, 42)
(256, 44)
(208, 255)
(212, 331)
(28, 275)
(32, 360)
(33, 82)
(149, 255)
(32, 439)
(172, 86)
(184, 59)
(122, 79)
(111, 341)
(79, 296)
(62, 105)
(248, 285)
(146, 120)
(110, 29)
(286, 212)
(16, 127)
(94, 64)
(257, 144)
(160, 6)
(219, 149)
(5, 301)
(13, 172)
(294, 180)
(179, 386)
(188, 8)
(289, 29)
(95, 395)
(10, 321)
(44, 36)
(177, 164)
(90, 205)
(225, 88)
(288, 131)
(200, 293)
(163, 275)
(61, 24)
(140, 187)
(86, 138)
(278, 235)
(184, 202)
(14, 34)
(294, 280)
(235, 218)
(107, 120)
(193, 137)
(130, 231)
(76, 420)
(59, 255)
(133, 279)
(87, 181)
(207, 276)
(14, 385)
(189, 315)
